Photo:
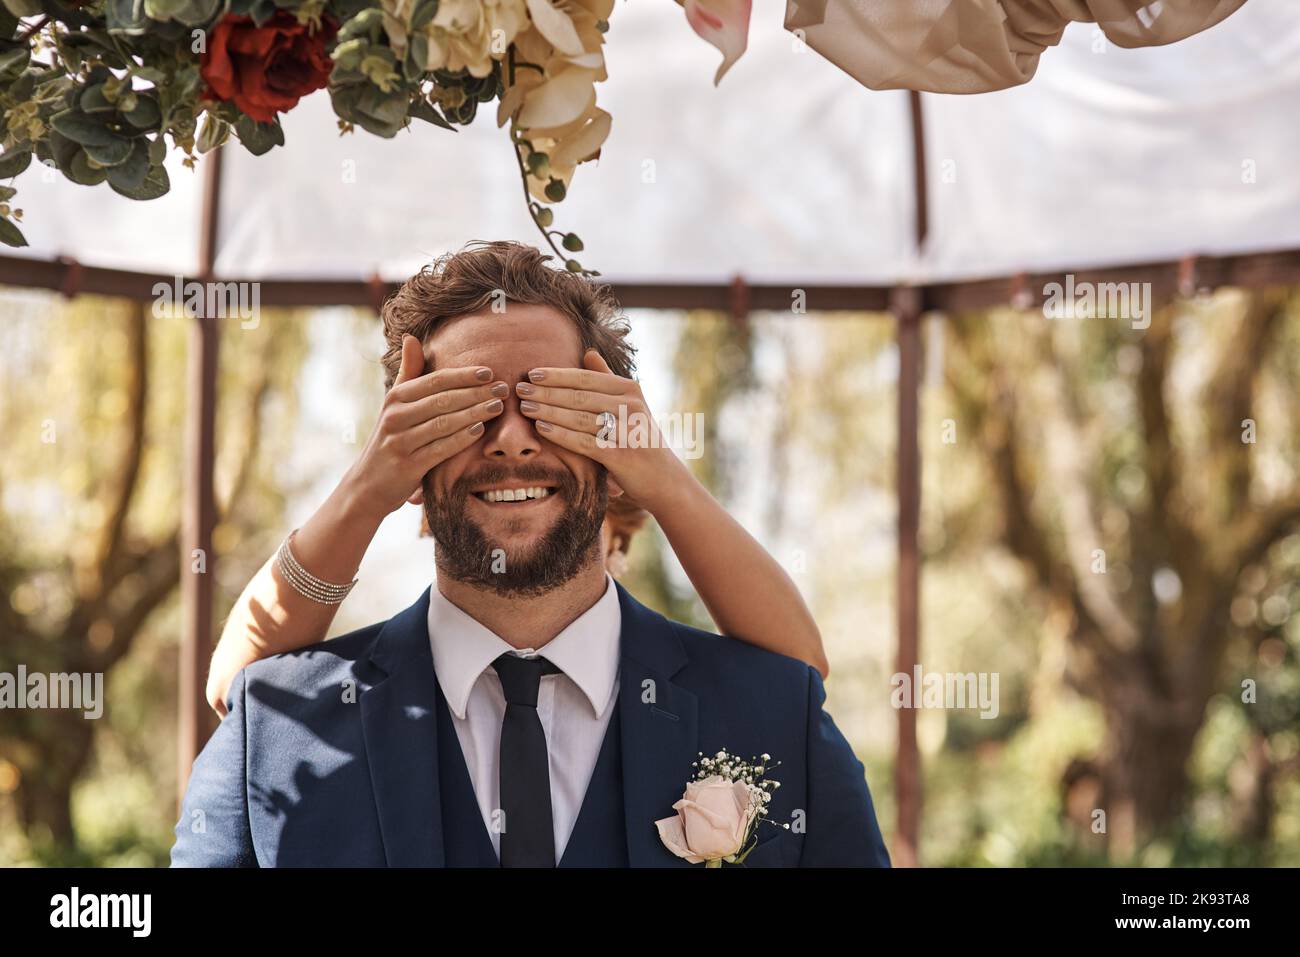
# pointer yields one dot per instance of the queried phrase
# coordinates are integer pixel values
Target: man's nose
(511, 436)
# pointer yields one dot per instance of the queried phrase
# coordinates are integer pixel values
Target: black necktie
(528, 835)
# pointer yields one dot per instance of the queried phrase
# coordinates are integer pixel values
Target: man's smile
(517, 498)
(512, 494)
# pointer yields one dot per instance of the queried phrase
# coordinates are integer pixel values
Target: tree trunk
(1145, 767)
(44, 794)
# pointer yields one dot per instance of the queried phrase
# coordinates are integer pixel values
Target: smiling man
(525, 711)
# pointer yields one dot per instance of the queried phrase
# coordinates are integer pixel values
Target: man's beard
(465, 554)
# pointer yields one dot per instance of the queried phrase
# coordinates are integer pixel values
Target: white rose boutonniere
(718, 816)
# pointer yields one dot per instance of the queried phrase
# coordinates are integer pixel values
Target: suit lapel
(400, 725)
(658, 722)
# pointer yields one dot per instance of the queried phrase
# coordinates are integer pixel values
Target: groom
(525, 710)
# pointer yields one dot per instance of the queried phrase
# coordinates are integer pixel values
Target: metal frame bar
(1169, 278)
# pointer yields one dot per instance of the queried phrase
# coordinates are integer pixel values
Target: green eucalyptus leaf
(131, 173)
(417, 55)
(157, 150)
(425, 11)
(22, 88)
(23, 8)
(258, 138)
(62, 151)
(11, 164)
(370, 108)
(155, 184)
(163, 10)
(13, 62)
(7, 193)
(126, 17)
(66, 13)
(262, 10)
(81, 171)
(349, 54)
(146, 115)
(80, 128)
(92, 100)
(109, 154)
(10, 234)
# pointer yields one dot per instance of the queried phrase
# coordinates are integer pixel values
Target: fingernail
(495, 406)
(501, 390)
(483, 374)
(527, 406)
(476, 428)
(544, 426)
(523, 388)
(537, 375)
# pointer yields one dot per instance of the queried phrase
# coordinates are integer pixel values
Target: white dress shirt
(574, 707)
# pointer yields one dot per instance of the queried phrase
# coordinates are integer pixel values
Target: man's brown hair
(487, 273)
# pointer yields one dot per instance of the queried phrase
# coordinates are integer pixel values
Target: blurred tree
(1127, 464)
(95, 419)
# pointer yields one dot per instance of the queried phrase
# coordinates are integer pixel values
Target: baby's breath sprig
(753, 773)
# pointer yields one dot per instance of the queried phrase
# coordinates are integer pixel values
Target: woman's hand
(566, 405)
(425, 420)
(746, 590)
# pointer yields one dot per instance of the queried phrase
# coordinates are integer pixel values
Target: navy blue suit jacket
(328, 755)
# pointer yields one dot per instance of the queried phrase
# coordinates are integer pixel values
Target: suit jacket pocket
(773, 850)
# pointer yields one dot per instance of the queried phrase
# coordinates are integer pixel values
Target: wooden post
(195, 720)
(908, 305)
(907, 765)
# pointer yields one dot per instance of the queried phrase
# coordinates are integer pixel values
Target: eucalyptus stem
(533, 206)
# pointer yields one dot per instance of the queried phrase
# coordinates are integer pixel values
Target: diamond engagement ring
(607, 424)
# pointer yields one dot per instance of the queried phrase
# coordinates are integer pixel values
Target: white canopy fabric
(789, 171)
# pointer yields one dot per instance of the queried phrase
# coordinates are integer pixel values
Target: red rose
(266, 69)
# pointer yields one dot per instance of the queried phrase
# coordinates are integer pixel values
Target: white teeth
(515, 494)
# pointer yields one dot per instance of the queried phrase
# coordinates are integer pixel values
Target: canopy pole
(907, 305)
(195, 720)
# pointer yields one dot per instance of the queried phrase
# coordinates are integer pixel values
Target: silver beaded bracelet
(304, 582)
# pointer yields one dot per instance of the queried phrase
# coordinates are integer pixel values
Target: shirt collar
(587, 650)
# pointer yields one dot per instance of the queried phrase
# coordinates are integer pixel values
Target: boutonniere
(718, 816)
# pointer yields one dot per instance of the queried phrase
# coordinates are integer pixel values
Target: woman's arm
(425, 419)
(747, 592)
(270, 617)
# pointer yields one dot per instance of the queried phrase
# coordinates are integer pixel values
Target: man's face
(528, 545)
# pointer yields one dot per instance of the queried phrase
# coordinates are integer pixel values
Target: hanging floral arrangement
(103, 89)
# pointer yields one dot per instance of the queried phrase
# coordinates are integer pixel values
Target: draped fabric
(975, 46)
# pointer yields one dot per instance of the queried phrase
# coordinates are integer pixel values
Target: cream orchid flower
(463, 34)
(550, 94)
